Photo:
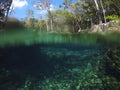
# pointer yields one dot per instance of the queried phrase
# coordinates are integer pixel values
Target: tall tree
(98, 11)
(67, 4)
(46, 5)
(4, 10)
(103, 10)
(65, 20)
(30, 13)
(30, 18)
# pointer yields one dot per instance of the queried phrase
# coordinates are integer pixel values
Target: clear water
(42, 61)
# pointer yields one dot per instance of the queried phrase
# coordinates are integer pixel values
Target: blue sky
(21, 6)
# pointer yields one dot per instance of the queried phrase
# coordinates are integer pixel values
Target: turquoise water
(43, 61)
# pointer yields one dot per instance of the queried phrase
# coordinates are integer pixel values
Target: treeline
(72, 16)
(76, 16)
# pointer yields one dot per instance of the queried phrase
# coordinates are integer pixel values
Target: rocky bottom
(60, 69)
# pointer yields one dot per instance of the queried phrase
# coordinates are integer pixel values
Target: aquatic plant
(111, 69)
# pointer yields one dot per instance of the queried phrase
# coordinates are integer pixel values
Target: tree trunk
(50, 17)
(9, 4)
(51, 24)
(98, 12)
(91, 21)
(103, 10)
(47, 25)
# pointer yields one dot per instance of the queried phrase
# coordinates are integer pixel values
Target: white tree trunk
(50, 17)
(47, 25)
(98, 11)
(103, 10)
(97, 7)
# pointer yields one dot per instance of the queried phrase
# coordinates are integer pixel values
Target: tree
(98, 11)
(103, 10)
(30, 21)
(46, 5)
(30, 13)
(67, 4)
(65, 20)
(4, 10)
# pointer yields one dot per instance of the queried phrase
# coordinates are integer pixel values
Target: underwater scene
(44, 61)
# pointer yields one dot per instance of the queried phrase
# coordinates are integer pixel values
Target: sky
(20, 8)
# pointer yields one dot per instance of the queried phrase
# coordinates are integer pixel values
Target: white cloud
(41, 7)
(41, 11)
(19, 3)
(51, 7)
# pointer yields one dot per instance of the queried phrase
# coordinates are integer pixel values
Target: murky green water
(44, 61)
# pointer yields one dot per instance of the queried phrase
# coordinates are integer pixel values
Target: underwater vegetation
(49, 61)
(111, 68)
(50, 68)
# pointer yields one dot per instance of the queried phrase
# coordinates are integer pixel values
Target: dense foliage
(76, 16)
(71, 16)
